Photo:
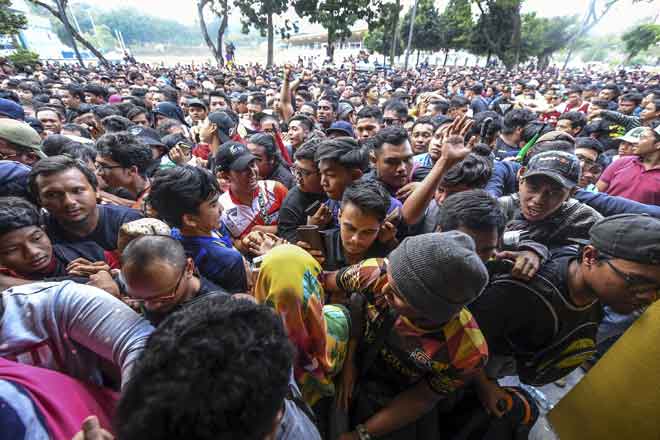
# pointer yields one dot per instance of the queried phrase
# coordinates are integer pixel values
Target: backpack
(574, 338)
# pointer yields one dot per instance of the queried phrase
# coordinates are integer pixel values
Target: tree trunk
(395, 37)
(444, 63)
(516, 36)
(271, 41)
(68, 27)
(205, 32)
(417, 61)
(410, 34)
(490, 54)
(330, 50)
(221, 34)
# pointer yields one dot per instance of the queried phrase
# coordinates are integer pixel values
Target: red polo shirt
(628, 178)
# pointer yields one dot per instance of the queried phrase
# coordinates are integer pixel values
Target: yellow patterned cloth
(288, 282)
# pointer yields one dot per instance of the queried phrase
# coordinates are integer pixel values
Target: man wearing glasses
(19, 142)
(160, 277)
(549, 325)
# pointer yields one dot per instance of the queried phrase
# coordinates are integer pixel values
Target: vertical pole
(410, 34)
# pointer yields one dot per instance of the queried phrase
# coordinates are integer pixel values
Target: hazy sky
(619, 17)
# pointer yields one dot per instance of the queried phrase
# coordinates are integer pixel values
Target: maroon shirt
(627, 177)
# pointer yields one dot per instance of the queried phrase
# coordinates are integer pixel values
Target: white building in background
(41, 38)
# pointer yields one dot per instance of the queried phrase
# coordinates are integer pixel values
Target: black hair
(16, 213)
(147, 249)
(575, 89)
(603, 104)
(135, 111)
(394, 135)
(124, 107)
(590, 143)
(441, 106)
(534, 128)
(477, 88)
(516, 118)
(474, 171)
(398, 107)
(105, 110)
(180, 190)
(115, 124)
(636, 98)
(54, 143)
(58, 164)
(84, 152)
(221, 94)
(473, 209)
(370, 112)
(425, 120)
(126, 150)
(307, 151)
(369, 196)
(170, 94)
(332, 100)
(218, 368)
(614, 88)
(344, 150)
(487, 125)
(97, 90)
(82, 130)
(268, 142)
(457, 102)
(304, 120)
(578, 119)
(10, 95)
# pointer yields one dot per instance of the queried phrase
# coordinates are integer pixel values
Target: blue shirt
(504, 180)
(423, 159)
(217, 260)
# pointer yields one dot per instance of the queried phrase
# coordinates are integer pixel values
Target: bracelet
(362, 432)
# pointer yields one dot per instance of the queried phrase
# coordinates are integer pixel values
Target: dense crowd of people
(304, 253)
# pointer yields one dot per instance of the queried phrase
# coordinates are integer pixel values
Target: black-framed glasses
(635, 283)
(102, 167)
(163, 298)
(590, 165)
(302, 172)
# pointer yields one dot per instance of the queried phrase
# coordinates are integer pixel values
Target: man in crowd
(19, 142)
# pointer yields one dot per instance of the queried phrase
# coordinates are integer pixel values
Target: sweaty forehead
(63, 180)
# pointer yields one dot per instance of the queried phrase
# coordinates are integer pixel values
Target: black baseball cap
(233, 156)
(562, 167)
(225, 123)
(147, 135)
(196, 102)
(633, 237)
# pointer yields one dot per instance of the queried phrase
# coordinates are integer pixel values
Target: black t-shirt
(206, 288)
(515, 317)
(111, 219)
(292, 212)
(334, 252)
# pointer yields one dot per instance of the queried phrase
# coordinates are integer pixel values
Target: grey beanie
(438, 273)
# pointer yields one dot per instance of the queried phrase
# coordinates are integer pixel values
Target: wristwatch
(362, 432)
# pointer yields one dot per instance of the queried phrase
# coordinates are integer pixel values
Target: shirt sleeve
(610, 170)
(611, 205)
(366, 276)
(289, 220)
(101, 323)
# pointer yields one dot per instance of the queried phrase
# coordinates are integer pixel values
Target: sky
(617, 19)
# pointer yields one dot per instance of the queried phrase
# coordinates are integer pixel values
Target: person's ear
(356, 174)
(520, 173)
(589, 255)
(372, 157)
(189, 220)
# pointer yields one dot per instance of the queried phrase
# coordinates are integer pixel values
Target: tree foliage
(11, 22)
(542, 37)
(498, 30)
(336, 16)
(259, 14)
(640, 38)
(23, 58)
(382, 35)
(220, 9)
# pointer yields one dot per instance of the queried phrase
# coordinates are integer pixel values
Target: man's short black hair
(632, 97)
(76, 90)
(534, 128)
(181, 190)
(424, 120)
(221, 94)
(394, 135)
(80, 129)
(370, 112)
(578, 119)
(218, 368)
(114, 124)
(304, 121)
(148, 249)
(473, 209)
(601, 103)
(477, 89)
(104, 110)
(613, 87)
(307, 151)
(369, 196)
(17, 213)
(346, 151)
(517, 118)
(474, 172)
(58, 164)
(126, 150)
(458, 102)
(97, 90)
(332, 100)
(589, 143)
(398, 107)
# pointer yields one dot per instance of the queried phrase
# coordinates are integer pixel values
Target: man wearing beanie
(417, 342)
(544, 329)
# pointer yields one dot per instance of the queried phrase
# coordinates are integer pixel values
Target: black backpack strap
(371, 353)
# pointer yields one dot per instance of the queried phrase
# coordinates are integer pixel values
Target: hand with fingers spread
(322, 217)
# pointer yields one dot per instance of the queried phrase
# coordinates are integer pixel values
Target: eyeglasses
(102, 167)
(590, 165)
(635, 283)
(163, 298)
(302, 172)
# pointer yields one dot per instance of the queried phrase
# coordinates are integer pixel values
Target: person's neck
(137, 186)
(509, 140)
(214, 145)
(192, 289)
(242, 195)
(83, 228)
(578, 290)
(652, 160)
